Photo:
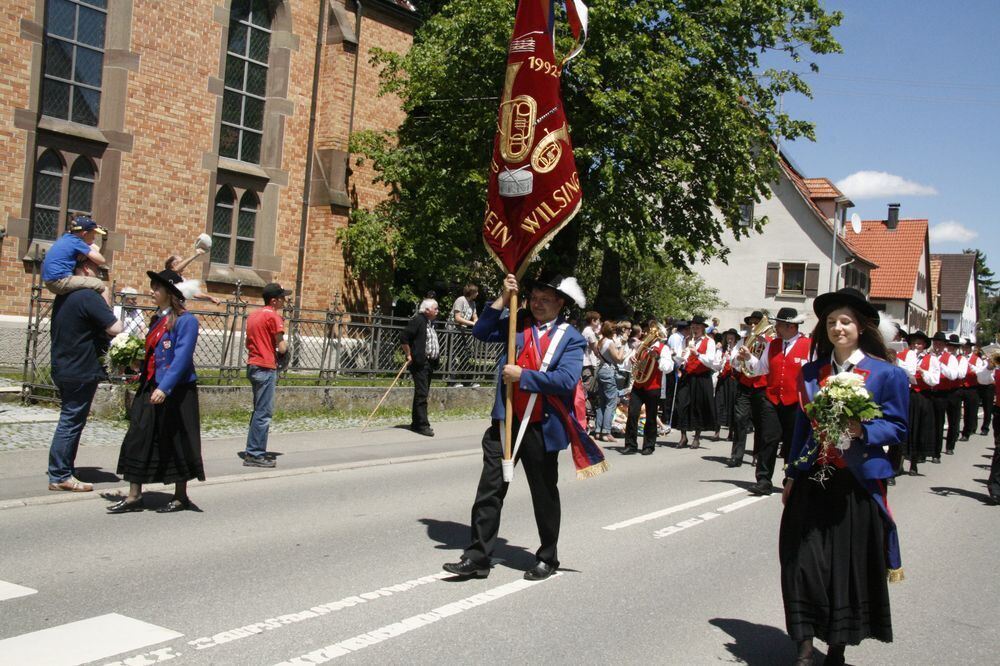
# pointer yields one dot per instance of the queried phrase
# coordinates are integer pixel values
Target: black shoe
(891, 481)
(125, 506)
(995, 498)
(467, 569)
(258, 461)
(762, 488)
(540, 571)
(426, 432)
(913, 471)
(963, 438)
(936, 460)
(175, 505)
(732, 462)
(647, 450)
(629, 450)
(950, 452)
(984, 433)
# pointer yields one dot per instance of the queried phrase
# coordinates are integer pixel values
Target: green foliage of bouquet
(842, 398)
(124, 353)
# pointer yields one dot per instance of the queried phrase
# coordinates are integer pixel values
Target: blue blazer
(866, 456)
(174, 354)
(560, 379)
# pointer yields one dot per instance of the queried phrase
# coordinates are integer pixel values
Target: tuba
(646, 361)
(756, 340)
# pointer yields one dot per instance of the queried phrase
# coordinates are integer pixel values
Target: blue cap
(86, 223)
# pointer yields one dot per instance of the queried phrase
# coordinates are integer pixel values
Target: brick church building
(166, 120)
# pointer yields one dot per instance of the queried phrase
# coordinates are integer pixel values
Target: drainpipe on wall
(307, 187)
(354, 85)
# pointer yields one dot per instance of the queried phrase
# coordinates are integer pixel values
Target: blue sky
(910, 113)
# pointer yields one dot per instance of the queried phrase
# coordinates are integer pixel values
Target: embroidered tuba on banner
(534, 188)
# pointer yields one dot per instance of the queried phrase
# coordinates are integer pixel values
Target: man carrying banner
(549, 363)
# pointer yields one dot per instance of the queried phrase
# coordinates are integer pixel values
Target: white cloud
(881, 185)
(951, 232)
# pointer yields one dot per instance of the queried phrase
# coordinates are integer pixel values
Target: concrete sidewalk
(23, 480)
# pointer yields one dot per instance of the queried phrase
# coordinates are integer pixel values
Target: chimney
(893, 220)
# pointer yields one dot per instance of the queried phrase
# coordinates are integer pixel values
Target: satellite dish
(856, 223)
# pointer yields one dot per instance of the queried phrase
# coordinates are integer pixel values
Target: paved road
(666, 560)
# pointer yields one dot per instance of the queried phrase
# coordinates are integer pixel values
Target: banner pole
(511, 358)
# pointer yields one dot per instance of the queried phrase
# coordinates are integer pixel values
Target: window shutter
(812, 280)
(773, 273)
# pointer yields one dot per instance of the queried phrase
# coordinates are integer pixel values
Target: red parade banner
(534, 188)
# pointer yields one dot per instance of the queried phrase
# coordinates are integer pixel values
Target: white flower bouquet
(842, 398)
(125, 352)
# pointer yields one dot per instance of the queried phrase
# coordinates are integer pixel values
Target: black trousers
(421, 389)
(541, 469)
(668, 408)
(947, 410)
(993, 483)
(747, 411)
(639, 398)
(987, 396)
(970, 410)
(778, 426)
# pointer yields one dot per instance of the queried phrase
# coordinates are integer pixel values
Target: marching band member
(677, 341)
(838, 544)
(749, 401)
(781, 362)
(946, 402)
(647, 389)
(924, 372)
(990, 377)
(971, 363)
(985, 391)
(696, 397)
(725, 384)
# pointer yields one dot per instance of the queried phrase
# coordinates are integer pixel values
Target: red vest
(530, 359)
(783, 370)
(996, 387)
(925, 365)
(655, 380)
(970, 374)
(947, 384)
(694, 366)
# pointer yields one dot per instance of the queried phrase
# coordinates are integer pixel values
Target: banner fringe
(593, 470)
(896, 575)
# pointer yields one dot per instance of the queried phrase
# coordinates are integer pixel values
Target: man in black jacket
(420, 344)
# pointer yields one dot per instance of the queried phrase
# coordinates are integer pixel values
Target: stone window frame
(68, 162)
(103, 144)
(71, 82)
(236, 206)
(242, 93)
(267, 178)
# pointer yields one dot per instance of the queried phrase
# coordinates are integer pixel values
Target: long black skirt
(696, 404)
(920, 443)
(163, 442)
(725, 401)
(833, 563)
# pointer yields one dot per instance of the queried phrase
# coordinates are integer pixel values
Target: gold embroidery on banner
(517, 120)
(545, 212)
(496, 228)
(547, 152)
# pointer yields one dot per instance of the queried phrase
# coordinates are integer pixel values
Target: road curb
(63, 497)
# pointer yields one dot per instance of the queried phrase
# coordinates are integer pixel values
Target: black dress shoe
(540, 571)
(936, 460)
(891, 481)
(426, 432)
(629, 451)
(763, 488)
(647, 450)
(913, 471)
(732, 463)
(175, 505)
(467, 569)
(963, 438)
(984, 432)
(949, 452)
(125, 506)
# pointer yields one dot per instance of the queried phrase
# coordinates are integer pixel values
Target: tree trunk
(609, 301)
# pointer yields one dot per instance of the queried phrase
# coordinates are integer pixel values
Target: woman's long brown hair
(869, 336)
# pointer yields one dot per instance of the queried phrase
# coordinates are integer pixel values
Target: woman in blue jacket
(838, 546)
(163, 442)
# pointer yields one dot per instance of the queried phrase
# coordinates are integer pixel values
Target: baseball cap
(86, 223)
(274, 290)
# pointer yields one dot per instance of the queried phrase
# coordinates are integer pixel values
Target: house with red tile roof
(958, 295)
(900, 285)
(790, 261)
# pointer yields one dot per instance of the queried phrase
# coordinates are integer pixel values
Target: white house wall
(741, 283)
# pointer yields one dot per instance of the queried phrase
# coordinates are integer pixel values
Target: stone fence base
(112, 400)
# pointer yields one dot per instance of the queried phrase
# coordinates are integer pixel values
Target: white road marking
(270, 624)
(154, 657)
(361, 641)
(12, 591)
(674, 509)
(705, 517)
(80, 642)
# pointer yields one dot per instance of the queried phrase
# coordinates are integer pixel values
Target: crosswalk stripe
(12, 591)
(83, 641)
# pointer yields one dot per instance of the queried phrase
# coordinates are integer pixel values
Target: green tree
(672, 117)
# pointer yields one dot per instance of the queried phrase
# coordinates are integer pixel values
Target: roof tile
(956, 271)
(897, 253)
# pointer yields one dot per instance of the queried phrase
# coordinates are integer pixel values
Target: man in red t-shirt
(265, 340)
